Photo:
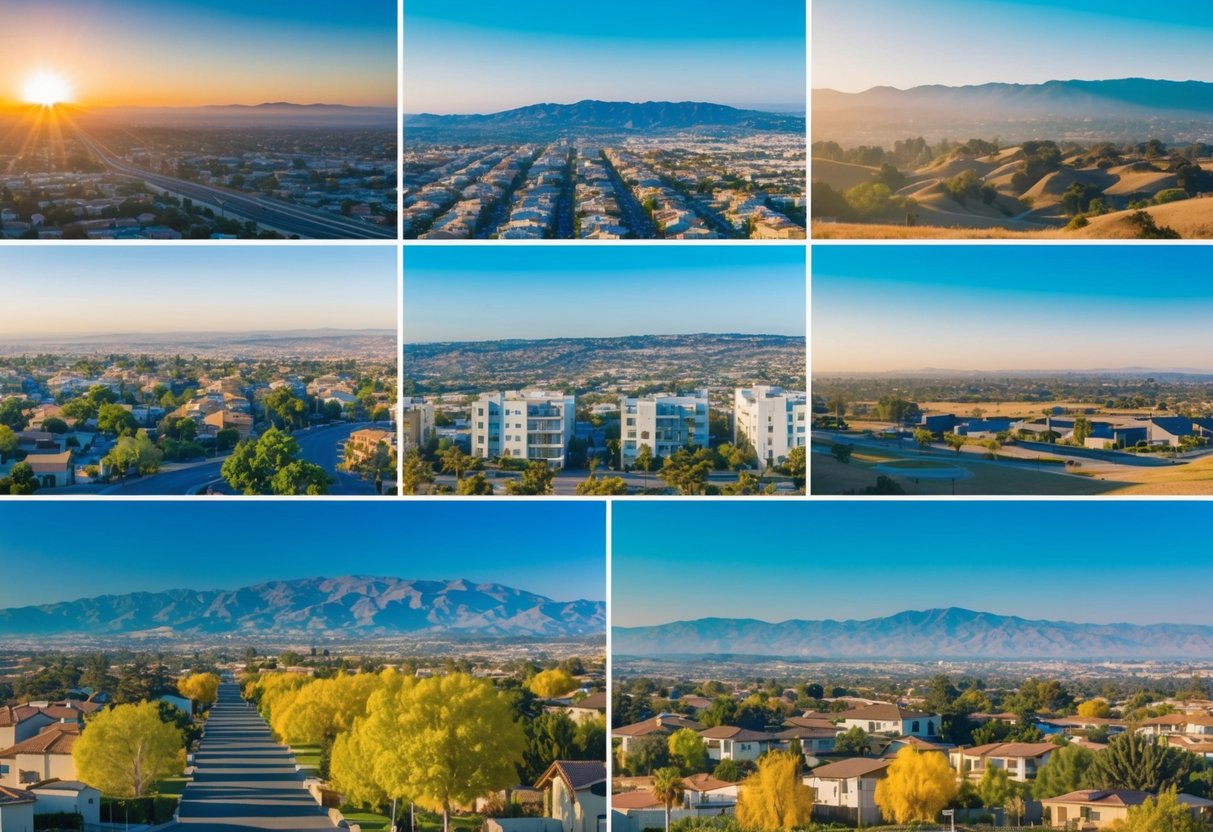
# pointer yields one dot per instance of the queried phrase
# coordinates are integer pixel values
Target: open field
(1018, 471)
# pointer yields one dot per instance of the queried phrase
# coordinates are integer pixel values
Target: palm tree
(668, 788)
(839, 406)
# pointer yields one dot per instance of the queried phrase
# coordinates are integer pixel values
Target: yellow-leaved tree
(918, 785)
(441, 742)
(1095, 707)
(1162, 814)
(203, 688)
(124, 750)
(774, 797)
(316, 713)
(551, 683)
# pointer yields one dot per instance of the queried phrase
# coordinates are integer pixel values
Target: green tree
(12, 414)
(1136, 761)
(954, 441)
(994, 788)
(688, 751)
(1161, 814)
(134, 453)
(795, 466)
(476, 485)
(644, 461)
(668, 788)
(1082, 430)
(852, 741)
(271, 465)
(687, 471)
(923, 437)
(116, 419)
(8, 442)
(1065, 772)
(536, 478)
(415, 472)
(454, 461)
(284, 409)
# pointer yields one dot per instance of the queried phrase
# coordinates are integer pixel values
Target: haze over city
(790, 573)
(158, 290)
(480, 56)
(885, 309)
(986, 41)
(570, 293)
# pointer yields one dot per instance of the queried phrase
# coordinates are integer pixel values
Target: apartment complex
(524, 424)
(665, 422)
(773, 419)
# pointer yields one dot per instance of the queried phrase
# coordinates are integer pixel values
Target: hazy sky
(486, 56)
(782, 560)
(479, 293)
(194, 52)
(858, 44)
(129, 546)
(983, 307)
(75, 290)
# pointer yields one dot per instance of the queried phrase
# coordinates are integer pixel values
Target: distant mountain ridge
(951, 633)
(1138, 105)
(333, 608)
(615, 115)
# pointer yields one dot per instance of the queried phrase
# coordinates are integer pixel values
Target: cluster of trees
(272, 464)
(439, 742)
(123, 751)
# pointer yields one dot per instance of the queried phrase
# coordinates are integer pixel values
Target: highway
(243, 780)
(321, 446)
(288, 219)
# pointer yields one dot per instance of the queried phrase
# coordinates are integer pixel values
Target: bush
(1079, 221)
(142, 810)
(1170, 195)
(58, 820)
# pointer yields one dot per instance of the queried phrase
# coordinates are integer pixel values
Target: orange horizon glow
(46, 88)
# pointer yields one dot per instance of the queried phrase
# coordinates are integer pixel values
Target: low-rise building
(43, 756)
(524, 424)
(894, 720)
(846, 791)
(1099, 808)
(665, 422)
(772, 419)
(577, 794)
(1020, 760)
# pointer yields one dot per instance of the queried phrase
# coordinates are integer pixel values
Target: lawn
(307, 756)
(425, 821)
(170, 786)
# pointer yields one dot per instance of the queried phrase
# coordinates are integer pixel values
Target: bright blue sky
(197, 288)
(485, 56)
(478, 293)
(69, 550)
(858, 44)
(781, 560)
(193, 52)
(982, 307)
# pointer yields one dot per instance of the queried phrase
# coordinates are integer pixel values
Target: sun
(46, 88)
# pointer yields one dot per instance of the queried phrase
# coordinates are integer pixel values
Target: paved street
(323, 446)
(243, 779)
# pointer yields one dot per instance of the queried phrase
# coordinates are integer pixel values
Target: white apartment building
(773, 419)
(665, 422)
(524, 424)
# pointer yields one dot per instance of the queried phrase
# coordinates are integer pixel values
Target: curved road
(321, 446)
(243, 780)
(289, 219)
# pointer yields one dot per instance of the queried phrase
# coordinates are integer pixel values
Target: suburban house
(885, 718)
(846, 790)
(43, 756)
(1020, 760)
(813, 741)
(20, 722)
(662, 725)
(53, 470)
(665, 422)
(772, 419)
(1069, 724)
(69, 797)
(1191, 725)
(592, 706)
(895, 745)
(526, 424)
(727, 742)
(16, 810)
(362, 444)
(1097, 808)
(706, 795)
(576, 794)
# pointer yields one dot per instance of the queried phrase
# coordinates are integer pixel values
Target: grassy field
(307, 756)
(425, 821)
(829, 476)
(369, 821)
(170, 786)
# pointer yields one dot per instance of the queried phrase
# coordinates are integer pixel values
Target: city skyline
(199, 289)
(893, 308)
(764, 564)
(572, 568)
(566, 292)
(869, 43)
(481, 57)
(186, 53)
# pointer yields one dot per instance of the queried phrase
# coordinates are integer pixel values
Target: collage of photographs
(519, 417)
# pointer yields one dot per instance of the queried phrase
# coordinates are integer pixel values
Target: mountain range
(951, 633)
(331, 608)
(590, 115)
(1150, 108)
